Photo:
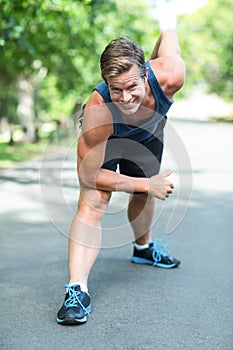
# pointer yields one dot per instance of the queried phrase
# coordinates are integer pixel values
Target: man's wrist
(142, 185)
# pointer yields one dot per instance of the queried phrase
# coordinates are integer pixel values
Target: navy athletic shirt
(147, 129)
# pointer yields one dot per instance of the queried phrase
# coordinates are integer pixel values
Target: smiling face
(127, 90)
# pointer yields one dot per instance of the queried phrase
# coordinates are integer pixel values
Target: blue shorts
(135, 159)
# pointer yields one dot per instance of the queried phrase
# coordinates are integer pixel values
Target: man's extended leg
(140, 213)
(84, 246)
(85, 234)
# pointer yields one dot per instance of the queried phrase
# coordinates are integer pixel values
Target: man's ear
(146, 75)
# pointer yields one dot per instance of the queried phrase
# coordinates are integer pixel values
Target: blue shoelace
(159, 250)
(73, 299)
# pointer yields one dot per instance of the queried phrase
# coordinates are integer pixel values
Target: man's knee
(141, 198)
(94, 202)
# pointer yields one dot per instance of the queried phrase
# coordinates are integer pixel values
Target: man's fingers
(167, 173)
(169, 190)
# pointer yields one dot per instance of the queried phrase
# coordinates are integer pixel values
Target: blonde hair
(119, 56)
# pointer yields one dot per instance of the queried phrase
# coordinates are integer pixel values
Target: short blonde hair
(119, 56)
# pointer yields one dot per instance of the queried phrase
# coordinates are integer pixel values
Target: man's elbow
(177, 79)
(179, 82)
(86, 180)
(174, 84)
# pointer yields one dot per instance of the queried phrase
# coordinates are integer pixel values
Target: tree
(37, 37)
(206, 38)
(53, 46)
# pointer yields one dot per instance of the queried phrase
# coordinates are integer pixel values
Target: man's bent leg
(140, 214)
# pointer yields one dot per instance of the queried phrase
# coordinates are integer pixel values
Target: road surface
(134, 307)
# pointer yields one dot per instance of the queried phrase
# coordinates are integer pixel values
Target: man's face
(127, 90)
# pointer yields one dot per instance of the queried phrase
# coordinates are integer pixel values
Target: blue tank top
(147, 129)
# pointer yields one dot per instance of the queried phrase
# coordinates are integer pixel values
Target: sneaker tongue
(76, 287)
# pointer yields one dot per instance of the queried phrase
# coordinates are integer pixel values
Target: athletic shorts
(135, 159)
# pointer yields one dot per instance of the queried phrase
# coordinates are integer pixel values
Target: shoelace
(73, 299)
(159, 250)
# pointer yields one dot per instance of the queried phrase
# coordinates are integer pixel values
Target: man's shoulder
(95, 99)
(170, 73)
(97, 110)
(103, 90)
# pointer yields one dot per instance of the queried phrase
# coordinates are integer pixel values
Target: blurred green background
(50, 52)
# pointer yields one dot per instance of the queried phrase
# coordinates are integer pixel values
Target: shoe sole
(69, 321)
(149, 262)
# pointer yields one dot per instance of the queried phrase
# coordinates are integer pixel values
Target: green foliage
(57, 45)
(206, 39)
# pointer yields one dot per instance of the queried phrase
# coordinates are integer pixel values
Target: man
(122, 126)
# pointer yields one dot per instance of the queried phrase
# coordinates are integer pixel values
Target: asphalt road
(134, 307)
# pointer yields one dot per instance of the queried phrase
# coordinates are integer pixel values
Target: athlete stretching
(122, 126)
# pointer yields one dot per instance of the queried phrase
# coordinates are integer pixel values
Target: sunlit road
(134, 307)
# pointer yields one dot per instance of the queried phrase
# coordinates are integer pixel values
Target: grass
(223, 119)
(19, 152)
(9, 155)
(50, 136)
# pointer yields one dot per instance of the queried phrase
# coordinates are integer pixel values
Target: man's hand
(159, 186)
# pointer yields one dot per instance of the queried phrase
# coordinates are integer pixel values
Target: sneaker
(156, 254)
(76, 306)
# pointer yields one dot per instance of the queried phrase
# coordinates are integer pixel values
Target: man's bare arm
(167, 63)
(167, 43)
(97, 127)
(91, 150)
(92, 176)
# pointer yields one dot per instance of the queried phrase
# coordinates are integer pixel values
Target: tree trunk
(26, 108)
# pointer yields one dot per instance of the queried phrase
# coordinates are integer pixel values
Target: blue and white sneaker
(76, 307)
(156, 254)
